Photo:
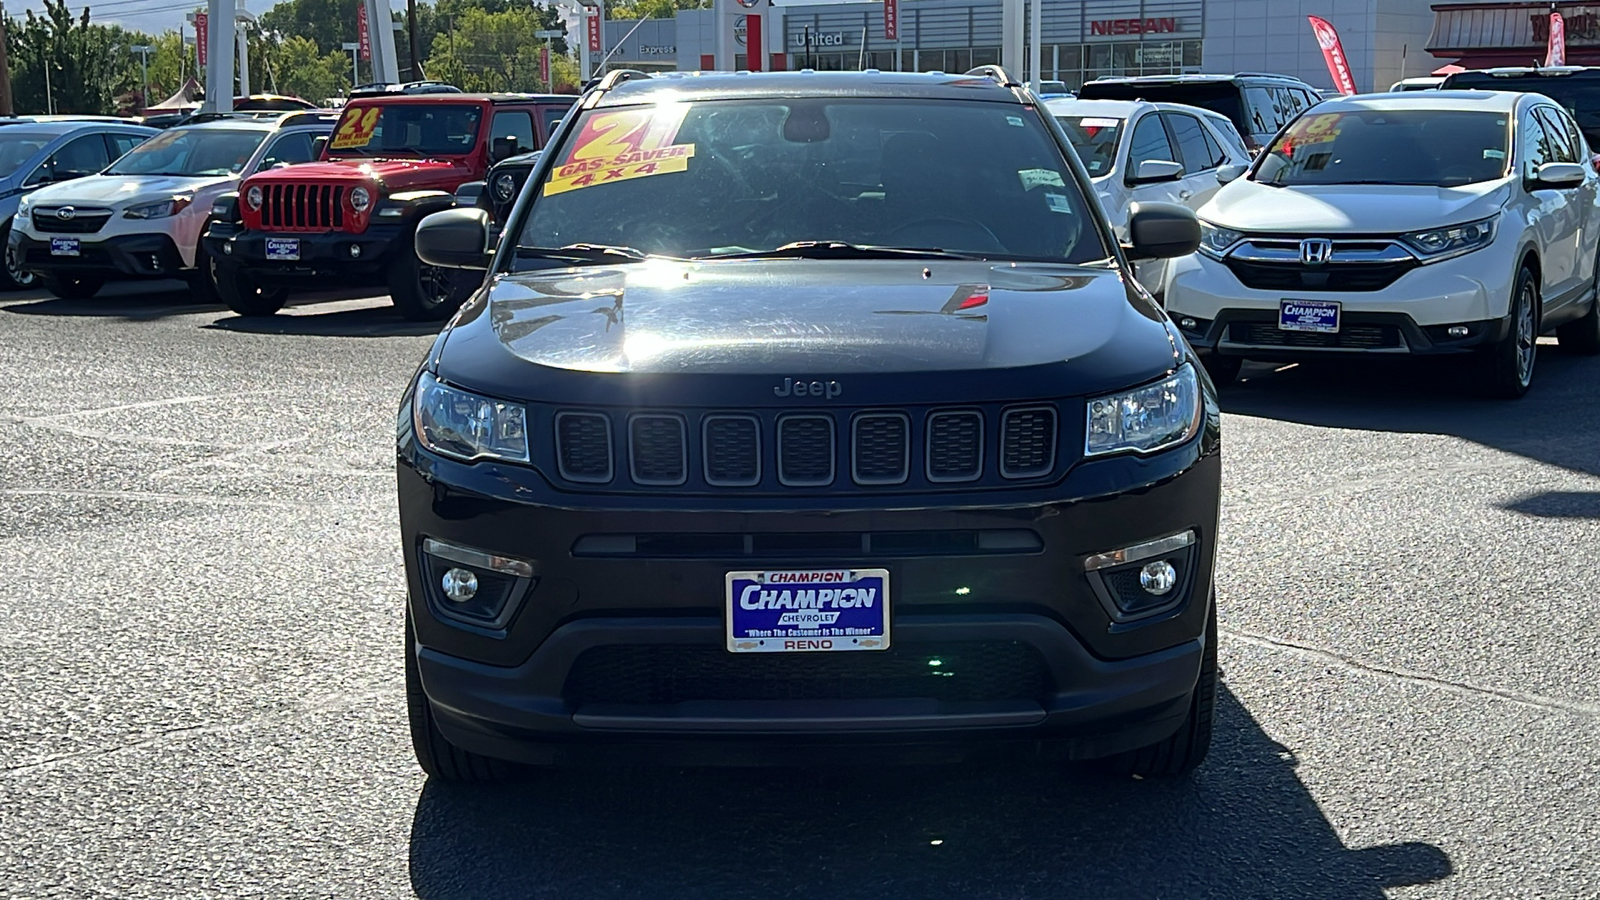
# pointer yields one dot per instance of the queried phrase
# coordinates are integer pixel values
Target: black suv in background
(802, 410)
(1258, 104)
(1577, 88)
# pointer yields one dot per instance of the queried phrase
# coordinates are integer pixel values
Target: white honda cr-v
(1435, 222)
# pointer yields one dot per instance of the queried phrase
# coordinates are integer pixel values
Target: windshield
(1219, 97)
(1095, 138)
(1443, 148)
(729, 177)
(17, 147)
(408, 129)
(1579, 94)
(191, 151)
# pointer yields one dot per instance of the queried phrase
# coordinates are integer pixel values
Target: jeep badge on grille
(794, 387)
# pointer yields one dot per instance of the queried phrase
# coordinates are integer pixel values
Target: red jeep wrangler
(348, 219)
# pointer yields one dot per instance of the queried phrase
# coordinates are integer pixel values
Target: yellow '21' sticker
(623, 145)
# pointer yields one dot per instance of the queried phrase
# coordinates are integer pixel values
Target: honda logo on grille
(66, 213)
(1316, 251)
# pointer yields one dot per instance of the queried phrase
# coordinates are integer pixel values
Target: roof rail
(220, 116)
(615, 77)
(308, 117)
(409, 87)
(1265, 75)
(997, 73)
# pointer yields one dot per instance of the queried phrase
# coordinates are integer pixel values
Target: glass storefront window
(985, 56)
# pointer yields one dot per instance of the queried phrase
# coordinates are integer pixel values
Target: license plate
(65, 247)
(808, 610)
(283, 249)
(1308, 315)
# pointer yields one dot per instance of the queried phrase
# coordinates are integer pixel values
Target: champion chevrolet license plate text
(788, 611)
(1308, 315)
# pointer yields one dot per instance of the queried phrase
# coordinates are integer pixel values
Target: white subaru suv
(142, 217)
(1444, 223)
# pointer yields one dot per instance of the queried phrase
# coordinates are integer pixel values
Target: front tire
(424, 293)
(70, 288)
(12, 277)
(1186, 749)
(244, 296)
(1506, 371)
(435, 754)
(203, 279)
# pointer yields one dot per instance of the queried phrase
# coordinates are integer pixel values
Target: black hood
(869, 321)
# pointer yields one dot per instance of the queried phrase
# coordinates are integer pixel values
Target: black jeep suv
(801, 410)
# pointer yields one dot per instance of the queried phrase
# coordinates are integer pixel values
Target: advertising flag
(592, 24)
(1556, 54)
(1333, 54)
(544, 65)
(891, 20)
(363, 37)
(202, 35)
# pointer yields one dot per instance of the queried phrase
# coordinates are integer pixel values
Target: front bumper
(124, 256)
(325, 257)
(1412, 316)
(524, 691)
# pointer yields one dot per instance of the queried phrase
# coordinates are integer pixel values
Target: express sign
(1134, 26)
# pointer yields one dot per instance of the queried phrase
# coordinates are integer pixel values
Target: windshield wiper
(582, 253)
(841, 250)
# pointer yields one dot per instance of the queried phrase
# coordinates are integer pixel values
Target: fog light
(1156, 578)
(461, 585)
(1188, 324)
(355, 251)
(1456, 331)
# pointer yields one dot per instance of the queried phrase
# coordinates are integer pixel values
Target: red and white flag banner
(891, 20)
(1556, 54)
(1333, 54)
(202, 35)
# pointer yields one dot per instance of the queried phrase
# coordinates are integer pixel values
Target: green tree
(302, 70)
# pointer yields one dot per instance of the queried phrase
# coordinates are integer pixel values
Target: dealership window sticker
(356, 129)
(624, 145)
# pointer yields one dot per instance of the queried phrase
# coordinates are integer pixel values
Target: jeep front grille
(834, 449)
(302, 207)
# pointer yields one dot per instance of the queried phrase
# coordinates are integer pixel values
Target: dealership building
(1385, 40)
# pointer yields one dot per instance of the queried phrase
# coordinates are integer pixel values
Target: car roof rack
(999, 74)
(199, 117)
(409, 87)
(309, 117)
(615, 77)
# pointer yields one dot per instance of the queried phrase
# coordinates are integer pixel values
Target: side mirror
(1153, 171)
(1161, 231)
(1229, 174)
(468, 195)
(317, 145)
(459, 239)
(1557, 177)
(504, 148)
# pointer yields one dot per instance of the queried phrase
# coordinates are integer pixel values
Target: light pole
(547, 34)
(144, 74)
(355, 72)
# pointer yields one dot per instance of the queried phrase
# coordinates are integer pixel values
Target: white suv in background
(142, 217)
(1435, 222)
(1143, 152)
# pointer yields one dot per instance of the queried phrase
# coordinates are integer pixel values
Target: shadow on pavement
(1555, 423)
(305, 318)
(134, 301)
(1243, 826)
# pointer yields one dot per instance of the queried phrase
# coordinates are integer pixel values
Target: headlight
(505, 188)
(1443, 243)
(1215, 241)
(455, 423)
(360, 199)
(160, 210)
(1146, 419)
(23, 205)
(253, 197)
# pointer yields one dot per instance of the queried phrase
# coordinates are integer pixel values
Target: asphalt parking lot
(202, 690)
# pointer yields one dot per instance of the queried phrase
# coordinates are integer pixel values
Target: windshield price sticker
(1319, 129)
(621, 146)
(808, 611)
(356, 129)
